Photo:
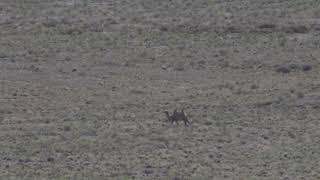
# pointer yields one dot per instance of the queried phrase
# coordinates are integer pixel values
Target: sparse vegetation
(84, 84)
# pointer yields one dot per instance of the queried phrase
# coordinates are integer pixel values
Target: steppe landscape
(84, 85)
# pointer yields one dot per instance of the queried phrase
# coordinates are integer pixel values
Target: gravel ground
(84, 86)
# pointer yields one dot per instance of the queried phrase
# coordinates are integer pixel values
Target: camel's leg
(185, 122)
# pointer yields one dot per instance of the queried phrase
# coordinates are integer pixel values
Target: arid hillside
(84, 86)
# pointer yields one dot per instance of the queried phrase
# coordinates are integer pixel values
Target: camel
(178, 116)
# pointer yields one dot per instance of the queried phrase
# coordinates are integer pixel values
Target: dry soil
(84, 86)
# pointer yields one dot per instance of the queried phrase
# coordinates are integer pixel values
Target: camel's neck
(167, 114)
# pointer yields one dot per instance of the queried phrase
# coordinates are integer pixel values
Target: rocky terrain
(84, 85)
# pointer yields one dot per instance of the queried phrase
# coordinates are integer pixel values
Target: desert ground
(84, 85)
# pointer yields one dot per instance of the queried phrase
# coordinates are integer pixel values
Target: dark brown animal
(178, 116)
